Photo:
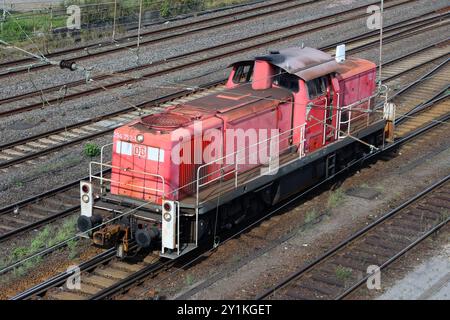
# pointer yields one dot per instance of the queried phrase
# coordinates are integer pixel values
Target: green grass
(336, 198)
(18, 184)
(212, 4)
(189, 280)
(18, 26)
(445, 215)
(310, 216)
(47, 237)
(343, 273)
(91, 150)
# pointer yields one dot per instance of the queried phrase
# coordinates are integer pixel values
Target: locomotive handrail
(101, 161)
(93, 176)
(235, 154)
(325, 125)
(359, 101)
(338, 120)
(240, 151)
(349, 109)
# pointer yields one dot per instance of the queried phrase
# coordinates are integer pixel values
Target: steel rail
(66, 212)
(141, 274)
(419, 80)
(189, 63)
(146, 104)
(175, 95)
(396, 257)
(62, 277)
(153, 33)
(349, 240)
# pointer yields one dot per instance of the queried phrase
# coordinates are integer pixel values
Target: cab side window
(287, 80)
(317, 87)
(243, 74)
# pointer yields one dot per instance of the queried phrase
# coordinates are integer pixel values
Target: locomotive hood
(240, 100)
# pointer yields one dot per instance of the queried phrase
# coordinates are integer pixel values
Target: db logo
(140, 151)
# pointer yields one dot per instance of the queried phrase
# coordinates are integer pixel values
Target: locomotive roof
(232, 103)
(306, 63)
(238, 97)
(309, 63)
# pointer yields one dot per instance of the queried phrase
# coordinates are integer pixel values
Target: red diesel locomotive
(282, 123)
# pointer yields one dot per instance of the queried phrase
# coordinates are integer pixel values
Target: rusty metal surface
(309, 63)
(231, 102)
(240, 96)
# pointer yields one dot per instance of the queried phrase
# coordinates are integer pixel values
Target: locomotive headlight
(140, 138)
(85, 198)
(167, 206)
(85, 188)
(167, 216)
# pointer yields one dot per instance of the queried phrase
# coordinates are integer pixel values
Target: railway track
(343, 269)
(155, 36)
(54, 95)
(106, 277)
(14, 153)
(61, 278)
(259, 237)
(26, 149)
(39, 211)
(100, 277)
(417, 133)
(395, 73)
(61, 202)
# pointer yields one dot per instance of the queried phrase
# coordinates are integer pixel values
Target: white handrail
(101, 178)
(349, 109)
(101, 161)
(235, 154)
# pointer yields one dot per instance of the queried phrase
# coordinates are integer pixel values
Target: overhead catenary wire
(140, 110)
(88, 78)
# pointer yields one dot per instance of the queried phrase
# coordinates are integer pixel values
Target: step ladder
(330, 165)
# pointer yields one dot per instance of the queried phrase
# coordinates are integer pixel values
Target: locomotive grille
(165, 120)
